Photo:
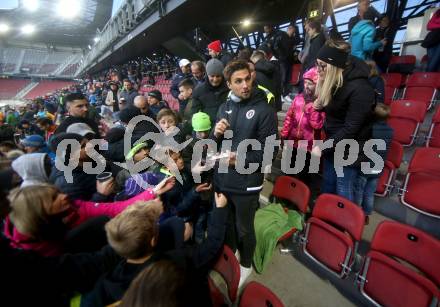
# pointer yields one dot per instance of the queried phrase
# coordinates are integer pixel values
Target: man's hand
(384, 42)
(105, 188)
(232, 158)
(203, 187)
(220, 200)
(221, 127)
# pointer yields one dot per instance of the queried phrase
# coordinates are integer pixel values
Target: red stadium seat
(295, 192)
(333, 233)
(421, 190)
(229, 268)
(405, 118)
(422, 86)
(386, 281)
(394, 158)
(257, 295)
(433, 138)
(296, 72)
(392, 83)
(403, 64)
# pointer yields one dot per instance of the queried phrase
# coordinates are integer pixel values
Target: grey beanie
(214, 67)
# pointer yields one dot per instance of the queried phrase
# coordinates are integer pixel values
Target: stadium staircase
(26, 90)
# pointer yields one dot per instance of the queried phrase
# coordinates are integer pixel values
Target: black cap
(155, 94)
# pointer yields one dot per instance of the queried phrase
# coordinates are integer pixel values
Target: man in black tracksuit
(248, 115)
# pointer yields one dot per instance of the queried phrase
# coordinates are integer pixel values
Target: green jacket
(271, 223)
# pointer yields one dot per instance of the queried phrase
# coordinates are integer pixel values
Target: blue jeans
(342, 186)
(433, 59)
(364, 189)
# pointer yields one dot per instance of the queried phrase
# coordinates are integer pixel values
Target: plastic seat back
(425, 160)
(257, 295)
(433, 138)
(296, 72)
(292, 190)
(393, 80)
(229, 268)
(395, 154)
(408, 109)
(411, 245)
(403, 64)
(386, 278)
(339, 211)
(405, 118)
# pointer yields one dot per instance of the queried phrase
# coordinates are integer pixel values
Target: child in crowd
(139, 152)
(41, 216)
(168, 121)
(133, 235)
(186, 87)
(156, 103)
(376, 82)
(366, 183)
(303, 121)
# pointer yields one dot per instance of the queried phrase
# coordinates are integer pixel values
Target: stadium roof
(50, 27)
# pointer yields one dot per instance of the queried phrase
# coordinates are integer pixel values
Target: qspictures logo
(346, 153)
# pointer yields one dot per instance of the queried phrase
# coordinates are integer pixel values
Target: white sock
(237, 255)
(244, 275)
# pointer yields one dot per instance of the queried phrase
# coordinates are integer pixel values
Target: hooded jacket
(302, 121)
(31, 169)
(207, 98)
(252, 118)
(362, 40)
(80, 212)
(349, 113)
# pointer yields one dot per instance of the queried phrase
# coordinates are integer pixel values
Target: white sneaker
(244, 275)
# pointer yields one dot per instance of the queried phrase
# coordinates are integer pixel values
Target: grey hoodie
(30, 167)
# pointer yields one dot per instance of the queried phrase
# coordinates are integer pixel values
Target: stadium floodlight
(90, 47)
(31, 5)
(28, 29)
(68, 9)
(4, 28)
(246, 22)
(96, 39)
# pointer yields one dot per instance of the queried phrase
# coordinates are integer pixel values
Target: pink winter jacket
(81, 212)
(301, 122)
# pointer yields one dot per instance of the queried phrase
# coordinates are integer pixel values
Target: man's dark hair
(233, 67)
(74, 96)
(314, 24)
(126, 80)
(186, 83)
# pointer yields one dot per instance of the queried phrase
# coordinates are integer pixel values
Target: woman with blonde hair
(347, 98)
(41, 216)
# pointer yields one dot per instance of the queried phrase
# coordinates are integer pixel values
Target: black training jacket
(253, 118)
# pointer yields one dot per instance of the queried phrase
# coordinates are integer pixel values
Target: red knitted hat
(216, 46)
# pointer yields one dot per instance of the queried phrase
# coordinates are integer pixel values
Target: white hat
(184, 62)
(80, 128)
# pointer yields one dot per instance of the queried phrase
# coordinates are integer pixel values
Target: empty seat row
(419, 86)
(331, 239)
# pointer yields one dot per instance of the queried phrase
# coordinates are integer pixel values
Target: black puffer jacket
(208, 99)
(349, 113)
(255, 119)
